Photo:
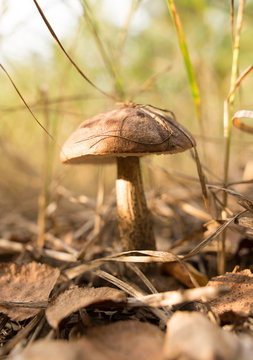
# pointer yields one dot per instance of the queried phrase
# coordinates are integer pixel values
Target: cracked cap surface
(128, 131)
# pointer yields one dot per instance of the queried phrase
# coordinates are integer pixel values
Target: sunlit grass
(187, 61)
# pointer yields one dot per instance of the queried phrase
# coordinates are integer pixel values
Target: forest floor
(76, 295)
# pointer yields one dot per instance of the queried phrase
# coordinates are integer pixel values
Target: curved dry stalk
(237, 122)
(129, 289)
(67, 55)
(213, 235)
(26, 105)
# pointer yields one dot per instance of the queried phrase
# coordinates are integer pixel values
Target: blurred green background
(139, 61)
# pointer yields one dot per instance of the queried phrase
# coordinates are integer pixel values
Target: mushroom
(126, 134)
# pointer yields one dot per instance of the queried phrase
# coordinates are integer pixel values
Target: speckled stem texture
(134, 218)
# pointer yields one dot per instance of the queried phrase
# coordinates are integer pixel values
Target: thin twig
(26, 105)
(67, 55)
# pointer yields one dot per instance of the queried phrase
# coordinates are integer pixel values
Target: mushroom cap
(135, 130)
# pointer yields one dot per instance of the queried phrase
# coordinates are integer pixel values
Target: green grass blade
(185, 53)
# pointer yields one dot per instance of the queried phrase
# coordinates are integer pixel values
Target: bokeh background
(134, 55)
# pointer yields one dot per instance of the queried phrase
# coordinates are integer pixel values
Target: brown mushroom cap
(128, 131)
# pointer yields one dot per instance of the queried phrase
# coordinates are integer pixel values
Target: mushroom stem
(135, 223)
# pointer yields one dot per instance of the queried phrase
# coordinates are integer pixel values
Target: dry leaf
(29, 283)
(237, 122)
(182, 273)
(128, 340)
(74, 299)
(191, 336)
(60, 349)
(122, 340)
(238, 303)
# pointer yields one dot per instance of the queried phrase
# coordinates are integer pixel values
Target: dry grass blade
(25, 304)
(27, 106)
(100, 45)
(159, 112)
(238, 81)
(147, 282)
(129, 289)
(10, 246)
(143, 256)
(194, 211)
(243, 201)
(51, 239)
(126, 257)
(59, 255)
(123, 33)
(53, 100)
(150, 257)
(239, 124)
(213, 235)
(142, 276)
(250, 181)
(201, 179)
(80, 269)
(162, 315)
(151, 80)
(67, 55)
(170, 298)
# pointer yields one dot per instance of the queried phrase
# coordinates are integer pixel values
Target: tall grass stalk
(44, 196)
(227, 121)
(229, 105)
(51, 123)
(123, 33)
(232, 11)
(187, 61)
(100, 200)
(111, 68)
(194, 90)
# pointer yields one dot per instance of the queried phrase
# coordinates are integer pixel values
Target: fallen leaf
(29, 283)
(126, 340)
(191, 336)
(238, 303)
(184, 273)
(76, 298)
(60, 349)
(122, 340)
